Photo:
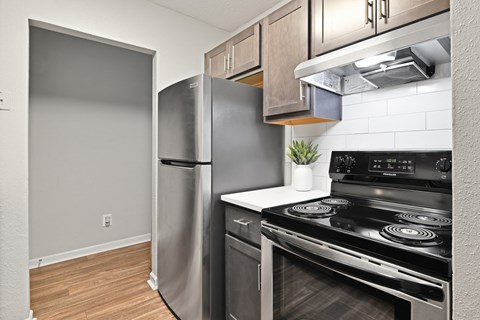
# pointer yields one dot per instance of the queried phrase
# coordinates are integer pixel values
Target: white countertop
(256, 200)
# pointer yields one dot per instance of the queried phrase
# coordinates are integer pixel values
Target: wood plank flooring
(110, 285)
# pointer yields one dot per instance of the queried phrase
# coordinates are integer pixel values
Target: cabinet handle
(241, 222)
(231, 61)
(384, 10)
(302, 95)
(368, 11)
(224, 63)
(259, 277)
(228, 61)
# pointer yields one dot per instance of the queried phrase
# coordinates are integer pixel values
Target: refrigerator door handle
(181, 164)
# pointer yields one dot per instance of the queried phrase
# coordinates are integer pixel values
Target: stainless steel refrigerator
(211, 141)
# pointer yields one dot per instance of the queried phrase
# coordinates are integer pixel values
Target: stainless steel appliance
(412, 53)
(378, 248)
(211, 141)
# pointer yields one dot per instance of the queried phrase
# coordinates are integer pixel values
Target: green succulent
(303, 153)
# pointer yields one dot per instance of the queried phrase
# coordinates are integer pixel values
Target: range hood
(416, 52)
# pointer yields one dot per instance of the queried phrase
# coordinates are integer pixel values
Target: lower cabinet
(242, 283)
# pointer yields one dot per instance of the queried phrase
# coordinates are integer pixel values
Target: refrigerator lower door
(184, 194)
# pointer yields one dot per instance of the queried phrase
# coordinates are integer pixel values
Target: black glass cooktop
(410, 236)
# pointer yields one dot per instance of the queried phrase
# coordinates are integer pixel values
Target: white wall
(90, 143)
(179, 43)
(408, 117)
(466, 154)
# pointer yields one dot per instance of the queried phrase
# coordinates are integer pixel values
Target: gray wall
(466, 153)
(90, 135)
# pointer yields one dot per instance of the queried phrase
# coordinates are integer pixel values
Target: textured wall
(179, 43)
(407, 117)
(466, 153)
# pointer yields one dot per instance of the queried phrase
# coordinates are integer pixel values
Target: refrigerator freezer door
(184, 120)
(183, 238)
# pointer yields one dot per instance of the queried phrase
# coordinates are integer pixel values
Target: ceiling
(227, 15)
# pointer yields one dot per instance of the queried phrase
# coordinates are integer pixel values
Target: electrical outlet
(107, 220)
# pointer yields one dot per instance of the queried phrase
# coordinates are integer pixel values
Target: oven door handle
(412, 288)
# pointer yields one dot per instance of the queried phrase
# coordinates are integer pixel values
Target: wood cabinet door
(336, 23)
(396, 13)
(286, 45)
(245, 51)
(242, 283)
(216, 61)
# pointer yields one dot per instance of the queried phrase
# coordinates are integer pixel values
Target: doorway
(90, 146)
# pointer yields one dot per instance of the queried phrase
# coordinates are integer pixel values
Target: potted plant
(303, 154)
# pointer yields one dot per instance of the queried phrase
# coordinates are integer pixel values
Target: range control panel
(421, 165)
(392, 164)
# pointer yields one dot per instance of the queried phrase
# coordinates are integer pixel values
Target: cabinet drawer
(242, 223)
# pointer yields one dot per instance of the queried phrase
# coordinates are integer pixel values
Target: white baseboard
(77, 253)
(30, 316)
(152, 282)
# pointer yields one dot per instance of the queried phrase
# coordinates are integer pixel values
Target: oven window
(306, 291)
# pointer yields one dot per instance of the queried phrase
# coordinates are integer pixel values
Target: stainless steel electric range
(378, 248)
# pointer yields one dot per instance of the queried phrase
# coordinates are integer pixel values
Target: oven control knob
(444, 165)
(349, 162)
(339, 162)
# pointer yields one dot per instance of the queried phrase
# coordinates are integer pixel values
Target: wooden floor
(110, 285)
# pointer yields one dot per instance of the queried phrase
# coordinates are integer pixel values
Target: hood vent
(406, 67)
(397, 57)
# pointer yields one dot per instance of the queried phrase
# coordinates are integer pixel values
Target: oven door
(308, 279)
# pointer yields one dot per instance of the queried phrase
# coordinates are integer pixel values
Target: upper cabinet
(216, 61)
(286, 45)
(238, 55)
(396, 13)
(267, 53)
(336, 23)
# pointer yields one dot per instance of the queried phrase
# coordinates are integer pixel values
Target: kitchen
(121, 27)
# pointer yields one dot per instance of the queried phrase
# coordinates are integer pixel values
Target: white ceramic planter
(302, 178)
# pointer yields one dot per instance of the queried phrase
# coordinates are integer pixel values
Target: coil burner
(336, 202)
(425, 220)
(311, 210)
(410, 235)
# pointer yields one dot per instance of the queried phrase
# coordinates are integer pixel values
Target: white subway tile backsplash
(375, 141)
(322, 183)
(365, 110)
(287, 174)
(352, 99)
(306, 139)
(435, 139)
(347, 127)
(330, 142)
(434, 101)
(409, 117)
(320, 169)
(439, 120)
(325, 156)
(408, 122)
(309, 130)
(287, 134)
(390, 93)
(434, 85)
